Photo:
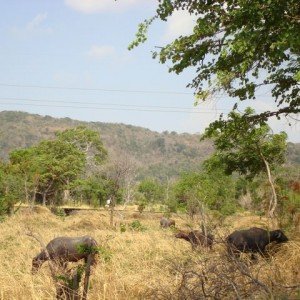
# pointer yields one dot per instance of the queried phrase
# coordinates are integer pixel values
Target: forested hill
(157, 154)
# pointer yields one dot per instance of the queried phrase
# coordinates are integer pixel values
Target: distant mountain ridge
(157, 154)
(161, 155)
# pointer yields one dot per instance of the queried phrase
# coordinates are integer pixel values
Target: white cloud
(101, 52)
(180, 23)
(36, 22)
(34, 26)
(97, 6)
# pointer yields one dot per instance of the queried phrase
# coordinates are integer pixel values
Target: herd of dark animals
(253, 240)
(62, 250)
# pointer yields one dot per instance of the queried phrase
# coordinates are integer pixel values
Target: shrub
(136, 226)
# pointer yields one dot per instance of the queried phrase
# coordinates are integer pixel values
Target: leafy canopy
(151, 189)
(244, 147)
(237, 46)
(214, 189)
(86, 140)
(57, 165)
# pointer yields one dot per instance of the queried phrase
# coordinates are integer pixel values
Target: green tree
(151, 190)
(247, 149)
(24, 164)
(48, 167)
(59, 163)
(95, 190)
(55, 166)
(217, 191)
(11, 190)
(187, 183)
(214, 190)
(87, 141)
(236, 47)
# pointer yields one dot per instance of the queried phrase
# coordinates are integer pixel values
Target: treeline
(157, 154)
(74, 168)
(160, 155)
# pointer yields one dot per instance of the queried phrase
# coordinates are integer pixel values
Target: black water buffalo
(196, 238)
(66, 249)
(253, 240)
(164, 222)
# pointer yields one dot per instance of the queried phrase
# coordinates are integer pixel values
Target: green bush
(136, 226)
(122, 228)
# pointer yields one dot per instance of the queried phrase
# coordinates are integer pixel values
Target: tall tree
(11, 190)
(54, 166)
(86, 140)
(89, 142)
(48, 167)
(246, 148)
(23, 163)
(151, 189)
(236, 47)
(118, 173)
(59, 163)
(214, 190)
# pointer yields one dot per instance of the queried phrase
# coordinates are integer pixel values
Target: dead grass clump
(246, 220)
(287, 260)
(140, 216)
(207, 277)
(84, 224)
(218, 276)
(41, 210)
(87, 223)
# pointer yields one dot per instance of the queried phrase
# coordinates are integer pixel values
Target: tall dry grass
(139, 264)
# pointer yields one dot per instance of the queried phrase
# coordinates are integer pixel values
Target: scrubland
(145, 263)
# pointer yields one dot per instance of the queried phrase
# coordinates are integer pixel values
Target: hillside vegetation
(160, 155)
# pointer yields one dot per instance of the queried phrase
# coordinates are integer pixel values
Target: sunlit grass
(134, 262)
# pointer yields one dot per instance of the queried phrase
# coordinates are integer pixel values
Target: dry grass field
(148, 264)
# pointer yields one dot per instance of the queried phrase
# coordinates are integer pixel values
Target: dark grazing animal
(196, 238)
(253, 240)
(66, 249)
(164, 222)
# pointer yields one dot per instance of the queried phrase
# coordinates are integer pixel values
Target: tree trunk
(33, 199)
(26, 191)
(66, 196)
(45, 193)
(273, 201)
(112, 208)
(44, 199)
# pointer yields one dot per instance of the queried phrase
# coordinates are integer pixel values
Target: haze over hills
(161, 155)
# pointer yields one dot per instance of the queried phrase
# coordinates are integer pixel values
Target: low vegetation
(140, 260)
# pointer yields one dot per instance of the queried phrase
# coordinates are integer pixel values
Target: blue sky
(69, 58)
